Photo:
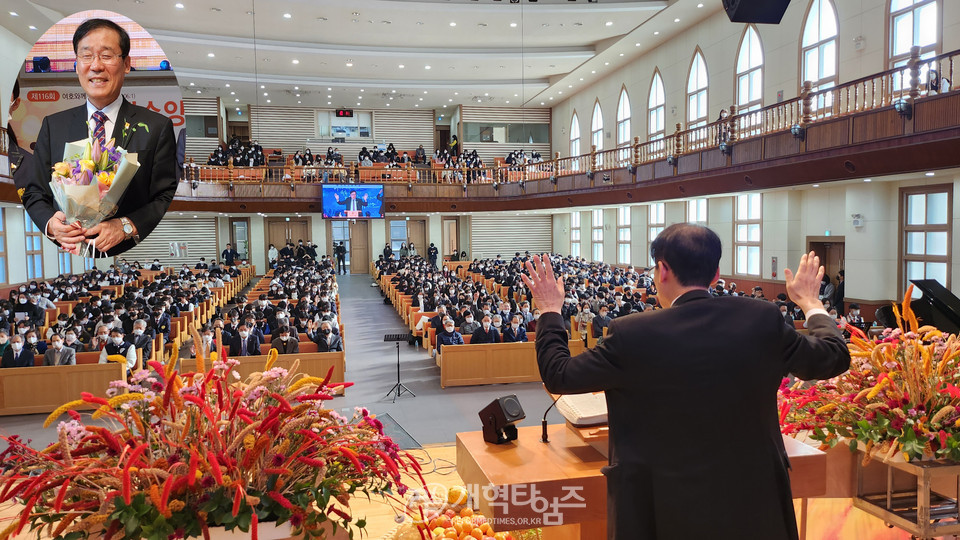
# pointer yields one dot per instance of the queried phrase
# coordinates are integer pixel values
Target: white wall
(12, 52)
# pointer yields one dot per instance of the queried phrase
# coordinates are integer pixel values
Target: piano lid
(938, 307)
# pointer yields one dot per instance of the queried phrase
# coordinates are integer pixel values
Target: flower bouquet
(899, 400)
(88, 185)
(186, 452)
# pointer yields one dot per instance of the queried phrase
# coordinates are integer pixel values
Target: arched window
(623, 125)
(596, 127)
(575, 139)
(819, 53)
(656, 111)
(750, 72)
(697, 92)
(913, 23)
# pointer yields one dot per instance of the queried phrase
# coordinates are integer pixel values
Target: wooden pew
(315, 364)
(305, 347)
(33, 390)
(492, 363)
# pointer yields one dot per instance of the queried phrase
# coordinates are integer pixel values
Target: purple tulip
(97, 152)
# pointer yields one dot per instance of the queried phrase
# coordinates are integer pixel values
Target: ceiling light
(426, 67)
(264, 94)
(606, 63)
(299, 102)
(298, 95)
(232, 93)
(542, 103)
(388, 104)
(359, 97)
(391, 98)
(401, 66)
(657, 33)
(287, 16)
(868, 179)
(295, 61)
(452, 23)
(15, 14)
(560, 92)
(227, 85)
(516, 95)
(815, 185)
(486, 94)
(178, 5)
(929, 174)
(358, 104)
(329, 97)
(329, 102)
(676, 20)
(513, 25)
(329, 89)
(236, 100)
(456, 93)
(699, 5)
(32, 27)
(361, 89)
(621, 54)
(198, 91)
(508, 101)
(424, 91)
(393, 91)
(569, 86)
(349, 64)
(191, 84)
(479, 101)
(262, 87)
(581, 78)
(593, 71)
(637, 44)
(210, 55)
(295, 87)
(268, 101)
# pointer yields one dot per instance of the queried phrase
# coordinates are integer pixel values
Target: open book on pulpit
(584, 410)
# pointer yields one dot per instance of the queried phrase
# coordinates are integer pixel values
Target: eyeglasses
(106, 58)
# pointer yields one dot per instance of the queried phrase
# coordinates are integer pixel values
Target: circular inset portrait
(95, 117)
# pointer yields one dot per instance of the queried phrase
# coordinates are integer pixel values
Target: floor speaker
(756, 11)
(498, 419)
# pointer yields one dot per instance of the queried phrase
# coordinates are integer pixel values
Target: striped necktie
(99, 129)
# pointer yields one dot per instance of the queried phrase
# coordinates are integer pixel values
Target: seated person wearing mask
(4, 341)
(59, 355)
(244, 343)
(601, 321)
(117, 346)
(449, 335)
(284, 344)
(141, 340)
(486, 333)
(33, 343)
(16, 355)
(470, 324)
(514, 333)
(70, 340)
(325, 339)
(207, 336)
(100, 338)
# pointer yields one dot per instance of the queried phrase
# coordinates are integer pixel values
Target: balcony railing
(899, 88)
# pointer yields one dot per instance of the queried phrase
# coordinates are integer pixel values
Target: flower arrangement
(88, 184)
(189, 451)
(900, 398)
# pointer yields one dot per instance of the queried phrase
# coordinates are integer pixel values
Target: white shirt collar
(112, 111)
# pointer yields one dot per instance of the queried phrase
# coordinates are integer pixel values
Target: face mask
(325, 331)
(536, 316)
(62, 323)
(784, 313)
(469, 319)
(284, 338)
(58, 345)
(23, 300)
(32, 340)
(46, 295)
(117, 340)
(3, 339)
(23, 289)
(22, 331)
(586, 310)
(138, 331)
(102, 337)
(17, 346)
(855, 312)
(603, 313)
(486, 325)
(71, 338)
(244, 334)
(497, 324)
(515, 326)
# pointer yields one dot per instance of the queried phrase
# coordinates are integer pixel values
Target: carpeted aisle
(435, 415)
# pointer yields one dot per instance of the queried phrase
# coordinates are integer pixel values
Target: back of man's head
(691, 251)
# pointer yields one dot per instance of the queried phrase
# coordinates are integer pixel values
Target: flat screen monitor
(352, 201)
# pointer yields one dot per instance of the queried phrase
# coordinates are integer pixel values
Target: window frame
(624, 234)
(596, 127)
(656, 223)
(904, 258)
(596, 234)
(928, 50)
(32, 236)
(575, 141)
(575, 239)
(751, 104)
(656, 107)
(704, 90)
(695, 213)
(624, 120)
(737, 243)
(821, 83)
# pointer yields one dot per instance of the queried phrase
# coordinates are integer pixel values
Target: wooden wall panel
(937, 112)
(779, 145)
(747, 151)
(645, 173)
(871, 126)
(662, 169)
(510, 190)
(688, 163)
(828, 135)
(565, 183)
(582, 182)
(712, 159)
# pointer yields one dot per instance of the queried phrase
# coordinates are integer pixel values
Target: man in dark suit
(352, 203)
(324, 337)
(103, 60)
(677, 366)
(486, 333)
(16, 355)
(514, 332)
(284, 344)
(229, 256)
(244, 343)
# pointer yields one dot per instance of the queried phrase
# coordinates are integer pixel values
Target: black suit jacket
(150, 192)
(692, 405)
(336, 344)
(253, 345)
(24, 360)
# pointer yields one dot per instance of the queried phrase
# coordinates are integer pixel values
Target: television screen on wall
(352, 201)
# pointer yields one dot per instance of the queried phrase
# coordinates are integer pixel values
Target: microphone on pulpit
(543, 424)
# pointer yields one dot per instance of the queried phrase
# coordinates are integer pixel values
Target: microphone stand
(543, 423)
